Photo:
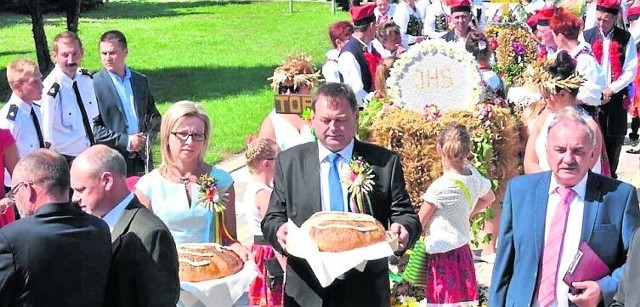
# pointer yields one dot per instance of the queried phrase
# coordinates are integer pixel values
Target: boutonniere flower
(210, 198)
(359, 181)
(208, 194)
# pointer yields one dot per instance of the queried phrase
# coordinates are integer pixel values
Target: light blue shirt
(114, 215)
(344, 157)
(123, 88)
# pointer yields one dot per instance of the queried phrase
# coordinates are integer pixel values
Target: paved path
(627, 168)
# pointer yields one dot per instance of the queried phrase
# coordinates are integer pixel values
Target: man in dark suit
(303, 186)
(128, 118)
(144, 268)
(547, 215)
(56, 255)
(627, 294)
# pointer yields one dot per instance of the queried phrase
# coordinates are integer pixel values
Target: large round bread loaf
(205, 261)
(343, 231)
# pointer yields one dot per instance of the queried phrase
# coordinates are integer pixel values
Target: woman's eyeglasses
(184, 136)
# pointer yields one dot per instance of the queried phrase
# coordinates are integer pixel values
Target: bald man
(144, 268)
(56, 255)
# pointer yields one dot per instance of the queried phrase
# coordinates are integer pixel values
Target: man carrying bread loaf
(307, 181)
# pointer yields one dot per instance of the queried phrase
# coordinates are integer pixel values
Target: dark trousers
(613, 145)
(635, 125)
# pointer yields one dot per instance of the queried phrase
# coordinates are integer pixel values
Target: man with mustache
(68, 102)
(547, 215)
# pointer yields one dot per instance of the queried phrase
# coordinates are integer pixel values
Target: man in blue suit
(603, 213)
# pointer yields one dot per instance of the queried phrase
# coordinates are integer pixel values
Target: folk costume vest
(613, 116)
(355, 47)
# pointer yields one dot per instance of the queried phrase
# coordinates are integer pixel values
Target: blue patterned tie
(335, 187)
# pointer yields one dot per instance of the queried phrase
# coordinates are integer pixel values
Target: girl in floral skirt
(447, 205)
(261, 154)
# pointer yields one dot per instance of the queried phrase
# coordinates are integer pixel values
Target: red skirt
(451, 278)
(259, 292)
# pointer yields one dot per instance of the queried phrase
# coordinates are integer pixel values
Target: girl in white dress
(261, 159)
(172, 190)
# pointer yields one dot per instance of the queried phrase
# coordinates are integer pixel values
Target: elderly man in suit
(56, 255)
(547, 215)
(144, 268)
(307, 181)
(128, 114)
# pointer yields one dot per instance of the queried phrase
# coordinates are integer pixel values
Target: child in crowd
(382, 74)
(261, 154)
(478, 45)
(447, 205)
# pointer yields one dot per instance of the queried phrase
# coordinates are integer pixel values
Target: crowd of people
(78, 169)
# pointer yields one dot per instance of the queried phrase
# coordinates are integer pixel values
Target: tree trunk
(40, 37)
(73, 15)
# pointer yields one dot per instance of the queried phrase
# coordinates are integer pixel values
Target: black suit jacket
(296, 195)
(144, 268)
(111, 126)
(57, 257)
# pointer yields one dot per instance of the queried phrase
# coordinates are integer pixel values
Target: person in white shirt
(388, 40)
(68, 102)
(384, 11)
(461, 18)
(339, 34)
(565, 29)
(20, 115)
(436, 20)
(357, 56)
(615, 50)
(408, 18)
(634, 110)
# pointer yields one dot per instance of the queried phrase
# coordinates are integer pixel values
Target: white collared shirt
(572, 234)
(62, 124)
(349, 67)
(587, 66)
(21, 127)
(114, 215)
(628, 67)
(343, 164)
(401, 17)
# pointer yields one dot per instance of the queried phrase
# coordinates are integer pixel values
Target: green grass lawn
(216, 53)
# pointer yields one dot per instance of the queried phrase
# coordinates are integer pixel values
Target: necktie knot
(567, 194)
(333, 158)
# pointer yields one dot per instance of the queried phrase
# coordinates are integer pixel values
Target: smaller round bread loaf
(205, 261)
(343, 231)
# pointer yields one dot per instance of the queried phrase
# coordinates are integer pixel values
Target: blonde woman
(172, 190)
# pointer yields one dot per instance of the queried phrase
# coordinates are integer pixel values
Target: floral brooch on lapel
(210, 199)
(359, 181)
(208, 194)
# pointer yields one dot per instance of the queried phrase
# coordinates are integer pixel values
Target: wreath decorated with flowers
(514, 47)
(438, 73)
